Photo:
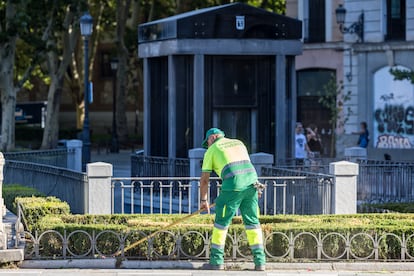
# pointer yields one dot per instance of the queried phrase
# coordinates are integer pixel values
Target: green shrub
(198, 229)
(406, 207)
(110, 230)
(35, 208)
(10, 192)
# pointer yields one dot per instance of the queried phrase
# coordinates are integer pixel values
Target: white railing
(282, 195)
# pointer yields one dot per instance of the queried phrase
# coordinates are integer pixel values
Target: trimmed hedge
(316, 223)
(37, 208)
(406, 207)
(12, 191)
(134, 227)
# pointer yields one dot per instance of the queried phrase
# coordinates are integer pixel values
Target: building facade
(361, 62)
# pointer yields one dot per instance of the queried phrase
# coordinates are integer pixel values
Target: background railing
(55, 157)
(159, 166)
(311, 194)
(301, 192)
(316, 165)
(68, 185)
(378, 180)
(385, 181)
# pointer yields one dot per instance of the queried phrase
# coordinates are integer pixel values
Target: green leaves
(402, 74)
(334, 99)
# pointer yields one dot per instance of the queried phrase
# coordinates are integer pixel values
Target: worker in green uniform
(229, 159)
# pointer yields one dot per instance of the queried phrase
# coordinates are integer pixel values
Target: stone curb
(11, 255)
(112, 263)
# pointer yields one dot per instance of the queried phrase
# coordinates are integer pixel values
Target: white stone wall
(373, 26)
(350, 79)
(375, 20)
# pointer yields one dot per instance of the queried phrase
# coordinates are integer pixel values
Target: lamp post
(355, 28)
(86, 24)
(114, 140)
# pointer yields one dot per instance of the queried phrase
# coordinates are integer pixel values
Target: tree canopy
(40, 40)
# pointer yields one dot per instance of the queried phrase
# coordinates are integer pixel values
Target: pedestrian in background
(315, 146)
(301, 146)
(314, 140)
(363, 138)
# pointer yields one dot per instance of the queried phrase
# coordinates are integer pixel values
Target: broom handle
(162, 229)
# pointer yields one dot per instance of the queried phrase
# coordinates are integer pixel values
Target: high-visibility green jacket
(229, 159)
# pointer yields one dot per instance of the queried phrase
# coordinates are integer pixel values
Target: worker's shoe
(212, 267)
(260, 267)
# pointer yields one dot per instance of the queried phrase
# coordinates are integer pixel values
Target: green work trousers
(227, 204)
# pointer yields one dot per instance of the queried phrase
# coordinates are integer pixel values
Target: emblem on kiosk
(240, 22)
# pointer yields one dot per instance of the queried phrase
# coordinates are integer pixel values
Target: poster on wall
(393, 111)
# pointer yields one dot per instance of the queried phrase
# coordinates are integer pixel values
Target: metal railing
(310, 194)
(159, 166)
(55, 157)
(169, 245)
(385, 181)
(68, 185)
(314, 165)
(378, 181)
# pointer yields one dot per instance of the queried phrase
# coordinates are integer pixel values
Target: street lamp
(86, 25)
(355, 28)
(114, 140)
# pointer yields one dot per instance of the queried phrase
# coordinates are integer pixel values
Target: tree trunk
(122, 73)
(121, 101)
(57, 67)
(51, 131)
(8, 101)
(8, 95)
(7, 87)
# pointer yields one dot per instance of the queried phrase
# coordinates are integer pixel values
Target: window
(395, 20)
(315, 21)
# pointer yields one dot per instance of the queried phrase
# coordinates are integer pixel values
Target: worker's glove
(259, 187)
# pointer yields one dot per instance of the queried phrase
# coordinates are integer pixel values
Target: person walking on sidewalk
(229, 159)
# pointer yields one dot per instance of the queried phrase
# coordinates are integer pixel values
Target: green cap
(209, 132)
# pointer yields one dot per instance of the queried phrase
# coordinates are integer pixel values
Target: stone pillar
(172, 111)
(3, 237)
(198, 100)
(196, 161)
(147, 107)
(261, 160)
(98, 190)
(344, 195)
(281, 132)
(352, 154)
(74, 148)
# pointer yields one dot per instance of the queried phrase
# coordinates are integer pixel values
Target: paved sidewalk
(111, 267)
(158, 272)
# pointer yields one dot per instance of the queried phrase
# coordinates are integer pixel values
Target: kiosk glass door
(239, 124)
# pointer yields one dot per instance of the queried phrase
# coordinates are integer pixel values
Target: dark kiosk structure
(229, 66)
